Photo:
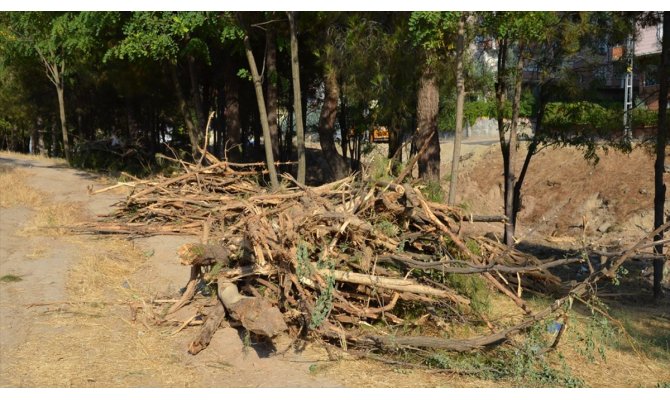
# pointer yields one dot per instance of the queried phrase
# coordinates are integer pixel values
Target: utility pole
(628, 90)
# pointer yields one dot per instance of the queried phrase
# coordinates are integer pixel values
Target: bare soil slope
(614, 196)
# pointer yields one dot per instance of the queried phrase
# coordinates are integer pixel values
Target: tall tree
(258, 86)
(297, 101)
(232, 110)
(513, 32)
(328, 117)
(661, 142)
(427, 107)
(428, 31)
(460, 100)
(169, 38)
(57, 40)
(272, 79)
(432, 34)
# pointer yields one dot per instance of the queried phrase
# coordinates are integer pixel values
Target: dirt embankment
(615, 196)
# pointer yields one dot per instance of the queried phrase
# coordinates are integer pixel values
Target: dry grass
(92, 341)
(104, 270)
(622, 366)
(36, 253)
(55, 219)
(24, 156)
(15, 191)
(370, 373)
(89, 341)
(97, 347)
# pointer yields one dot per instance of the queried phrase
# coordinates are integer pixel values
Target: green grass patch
(9, 278)
(434, 192)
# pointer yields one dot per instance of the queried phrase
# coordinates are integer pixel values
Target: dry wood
(189, 292)
(402, 285)
(256, 314)
(383, 243)
(210, 327)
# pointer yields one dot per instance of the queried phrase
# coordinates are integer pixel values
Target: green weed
(9, 278)
(388, 228)
(434, 192)
(324, 303)
(524, 364)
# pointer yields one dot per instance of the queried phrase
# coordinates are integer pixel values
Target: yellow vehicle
(380, 134)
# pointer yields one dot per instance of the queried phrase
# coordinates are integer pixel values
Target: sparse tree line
(105, 88)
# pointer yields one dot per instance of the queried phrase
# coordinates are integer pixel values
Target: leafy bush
(644, 117)
(578, 120)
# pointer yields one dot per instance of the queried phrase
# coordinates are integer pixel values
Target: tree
(460, 100)
(57, 40)
(661, 141)
(168, 38)
(514, 32)
(329, 59)
(262, 110)
(297, 101)
(271, 88)
(429, 30)
(231, 91)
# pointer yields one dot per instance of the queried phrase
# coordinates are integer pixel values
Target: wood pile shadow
(327, 262)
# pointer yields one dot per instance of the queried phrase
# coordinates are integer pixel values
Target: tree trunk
(196, 99)
(661, 141)
(510, 177)
(337, 163)
(344, 127)
(271, 88)
(501, 92)
(262, 113)
(460, 100)
(426, 113)
(532, 148)
(232, 113)
(288, 135)
(39, 132)
(297, 99)
(501, 98)
(54, 139)
(34, 134)
(60, 91)
(183, 109)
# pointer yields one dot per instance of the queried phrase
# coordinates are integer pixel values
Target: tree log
(208, 329)
(255, 313)
(401, 285)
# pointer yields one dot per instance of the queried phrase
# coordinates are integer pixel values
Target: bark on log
(188, 292)
(256, 314)
(401, 285)
(483, 218)
(202, 255)
(208, 329)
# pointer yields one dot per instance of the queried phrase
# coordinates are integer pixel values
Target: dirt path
(64, 312)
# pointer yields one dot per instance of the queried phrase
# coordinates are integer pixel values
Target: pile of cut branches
(334, 260)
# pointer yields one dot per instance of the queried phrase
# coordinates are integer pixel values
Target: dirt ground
(66, 322)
